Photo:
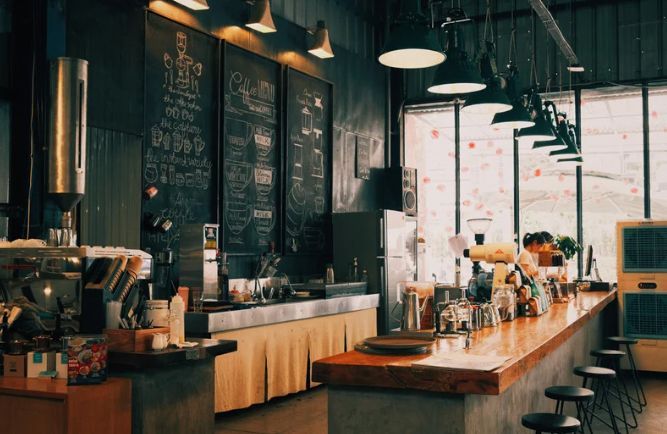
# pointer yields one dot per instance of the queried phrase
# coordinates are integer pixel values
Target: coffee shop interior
(333, 216)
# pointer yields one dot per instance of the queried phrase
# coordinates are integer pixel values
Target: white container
(177, 321)
(61, 365)
(158, 312)
(38, 362)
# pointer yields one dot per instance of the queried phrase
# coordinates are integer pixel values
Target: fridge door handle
(382, 230)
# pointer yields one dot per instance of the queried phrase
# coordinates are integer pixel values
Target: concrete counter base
(392, 411)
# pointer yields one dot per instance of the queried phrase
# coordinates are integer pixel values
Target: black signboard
(180, 145)
(251, 152)
(308, 164)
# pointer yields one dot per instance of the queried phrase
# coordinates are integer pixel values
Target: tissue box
(61, 365)
(86, 359)
(38, 362)
(14, 365)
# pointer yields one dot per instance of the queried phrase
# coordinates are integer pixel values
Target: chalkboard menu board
(180, 145)
(251, 152)
(308, 164)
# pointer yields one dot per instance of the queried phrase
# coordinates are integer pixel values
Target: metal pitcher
(412, 311)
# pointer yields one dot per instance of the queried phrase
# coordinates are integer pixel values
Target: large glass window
(547, 190)
(658, 145)
(429, 147)
(612, 146)
(487, 180)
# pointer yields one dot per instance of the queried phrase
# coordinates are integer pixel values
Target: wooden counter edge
(330, 371)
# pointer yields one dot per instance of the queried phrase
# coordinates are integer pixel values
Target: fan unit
(645, 315)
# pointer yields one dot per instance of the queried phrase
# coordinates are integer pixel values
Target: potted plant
(568, 245)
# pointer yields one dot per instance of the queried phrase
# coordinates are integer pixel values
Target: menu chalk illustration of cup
(296, 210)
(264, 180)
(238, 133)
(264, 217)
(156, 136)
(238, 175)
(150, 173)
(264, 139)
(237, 216)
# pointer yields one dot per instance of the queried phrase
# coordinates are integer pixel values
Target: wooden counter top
(171, 356)
(527, 339)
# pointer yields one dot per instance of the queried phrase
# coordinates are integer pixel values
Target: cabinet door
(33, 415)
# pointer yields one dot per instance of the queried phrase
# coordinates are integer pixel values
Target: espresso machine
(497, 254)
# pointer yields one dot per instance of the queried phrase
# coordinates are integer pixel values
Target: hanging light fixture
(411, 44)
(197, 5)
(560, 141)
(456, 75)
(492, 99)
(260, 18)
(571, 151)
(321, 46)
(517, 117)
(542, 130)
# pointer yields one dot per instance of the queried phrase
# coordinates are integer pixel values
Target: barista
(532, 244)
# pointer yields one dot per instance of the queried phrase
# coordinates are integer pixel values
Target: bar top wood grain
(527, 340)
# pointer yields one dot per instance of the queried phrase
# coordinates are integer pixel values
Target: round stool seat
(550, 422)
(569, 393)
(594, 372)
(608, 354)
(622, 340)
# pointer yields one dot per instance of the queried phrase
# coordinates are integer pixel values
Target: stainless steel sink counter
(203, 324)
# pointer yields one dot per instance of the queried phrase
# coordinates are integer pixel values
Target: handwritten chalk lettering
(238, 216)
(256, 96)
(238, 175)
(264, 220)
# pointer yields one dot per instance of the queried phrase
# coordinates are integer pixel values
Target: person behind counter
(532, 243)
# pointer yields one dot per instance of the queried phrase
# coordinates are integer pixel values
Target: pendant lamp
(491, 100)
(260, 18)
(542, 130)
(195, 5)
(457, 74)
(321, 46)
(411, 43)
(518, 116)
(571, 162)
(571, 150)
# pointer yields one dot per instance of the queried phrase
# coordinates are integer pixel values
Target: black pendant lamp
(492, 99)
(560, 142)
(543, 129)
(411, 43)
(456, 75)
(518, 116)
(571, 150)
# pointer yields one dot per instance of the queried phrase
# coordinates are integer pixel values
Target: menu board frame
(180, 208)
(277, 151)
(327, 146)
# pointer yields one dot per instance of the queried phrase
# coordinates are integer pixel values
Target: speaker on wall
(401, 190)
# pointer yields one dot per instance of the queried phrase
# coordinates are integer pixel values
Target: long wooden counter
(527, 339)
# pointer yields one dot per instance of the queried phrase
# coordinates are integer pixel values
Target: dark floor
(306, 413)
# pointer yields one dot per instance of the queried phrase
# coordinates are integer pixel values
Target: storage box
(38, 362)
(130, 341)
(86, 359)
(14, 365)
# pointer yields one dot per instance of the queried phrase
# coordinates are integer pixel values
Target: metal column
(579, 176)
(517, 198)
(647, 155)
(457, 182)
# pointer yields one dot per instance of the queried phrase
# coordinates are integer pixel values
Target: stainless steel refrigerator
(385, 243)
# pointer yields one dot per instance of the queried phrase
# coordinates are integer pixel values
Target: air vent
(645, 249)
(645, 315)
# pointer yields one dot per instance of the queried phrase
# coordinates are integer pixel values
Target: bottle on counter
(364, 275)
(223, 278)
(329, 275)
(354, 270)
(177, 321)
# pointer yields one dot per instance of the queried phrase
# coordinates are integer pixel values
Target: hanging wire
(488, 25)
(533, 66)
(512, 48)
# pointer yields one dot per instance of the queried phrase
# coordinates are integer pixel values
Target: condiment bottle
(177, 321)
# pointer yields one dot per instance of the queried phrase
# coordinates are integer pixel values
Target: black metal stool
(600, 377)
(612, 359)
(549, 422)
(580, 396)
(639, 390)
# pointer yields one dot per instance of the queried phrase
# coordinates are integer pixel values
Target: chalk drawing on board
(297, 168)
(318, 106)
(177, 141)
(264, 139)
(180, 179)
(238, 133)
(166, 140)
(163, 173)
(264, 180)
(256, 97)
(317, 164)
(264, 217)
(199, 145)
(156, 136)
(187, 145)
(190, 180)
(314, 238)
(238, 175)
(186, 66)
(238, 216)
(296, 209)
(306, 121)
(150, 173)
(317, 141)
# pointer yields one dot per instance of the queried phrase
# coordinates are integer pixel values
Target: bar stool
(612, 359)
(580, 396)
(549, 422)
(600, 377)
(639, 389)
